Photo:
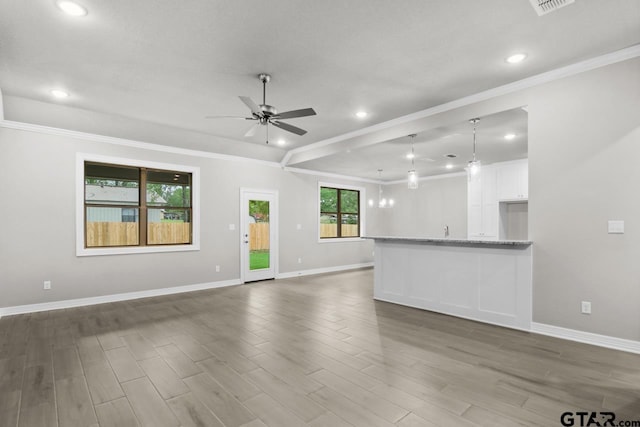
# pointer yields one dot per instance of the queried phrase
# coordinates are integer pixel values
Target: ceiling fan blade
(296, 113)
(252, 130)
(255, 109)
(288, 127)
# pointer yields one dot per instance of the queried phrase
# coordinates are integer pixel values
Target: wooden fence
(168, 233)
(258, 236)
(331, 230)
(126, 233)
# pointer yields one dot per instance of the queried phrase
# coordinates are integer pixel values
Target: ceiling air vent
(545, 6)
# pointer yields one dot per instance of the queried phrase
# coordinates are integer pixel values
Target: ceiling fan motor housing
(268, 110)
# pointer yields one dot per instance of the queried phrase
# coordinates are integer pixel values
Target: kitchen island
(488, 281)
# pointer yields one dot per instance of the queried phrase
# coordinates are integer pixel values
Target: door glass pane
(259, 250)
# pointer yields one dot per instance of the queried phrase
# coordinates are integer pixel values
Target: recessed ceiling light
(361, 114)
(411, 156)
(515, 58)
(71, 8)
(59, 93)
(509, 136)
(281, 142)
(449, 166)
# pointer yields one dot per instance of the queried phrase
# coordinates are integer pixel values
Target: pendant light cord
(474, 121)
(413, 155)
(474, 142)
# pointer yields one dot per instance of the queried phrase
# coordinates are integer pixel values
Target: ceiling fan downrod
(264, 78)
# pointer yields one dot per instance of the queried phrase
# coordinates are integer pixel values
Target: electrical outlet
(47, 284)
(217, 269)
(586, 307)
(299, 260)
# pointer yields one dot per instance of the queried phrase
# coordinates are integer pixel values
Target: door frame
(273, 231)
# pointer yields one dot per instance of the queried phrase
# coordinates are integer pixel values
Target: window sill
(135, 250)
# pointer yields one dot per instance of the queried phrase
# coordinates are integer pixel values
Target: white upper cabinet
(513, 181)
(482, 204)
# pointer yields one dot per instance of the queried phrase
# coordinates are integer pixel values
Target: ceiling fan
(266, 114)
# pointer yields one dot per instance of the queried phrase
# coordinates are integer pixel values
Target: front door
(259, 237)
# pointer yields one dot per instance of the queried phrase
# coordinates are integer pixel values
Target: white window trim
(361, 213)
(81, 158)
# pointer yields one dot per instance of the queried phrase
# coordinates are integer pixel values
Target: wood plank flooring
(315, 351)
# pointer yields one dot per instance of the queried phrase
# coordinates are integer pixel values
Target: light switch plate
(616, 226)
(299, 227)
(232, 227)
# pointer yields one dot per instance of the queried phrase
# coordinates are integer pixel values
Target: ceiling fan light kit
(266, 114)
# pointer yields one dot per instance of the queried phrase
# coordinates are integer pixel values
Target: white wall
(38, 225)
(424, 212)
(584, 151)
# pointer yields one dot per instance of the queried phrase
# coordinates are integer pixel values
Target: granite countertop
(452, 241)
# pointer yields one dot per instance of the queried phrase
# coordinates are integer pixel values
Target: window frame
(81, 250)
(361, 212)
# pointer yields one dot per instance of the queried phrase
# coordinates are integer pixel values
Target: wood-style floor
(315, 351)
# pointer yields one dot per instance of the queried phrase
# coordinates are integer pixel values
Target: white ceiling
(173, 63)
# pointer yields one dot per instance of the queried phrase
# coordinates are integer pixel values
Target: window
(339, 212)
(135, 207)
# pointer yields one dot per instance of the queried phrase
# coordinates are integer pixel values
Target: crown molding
(546, 77)
(331, 175)
(427, 178)
(86, 136)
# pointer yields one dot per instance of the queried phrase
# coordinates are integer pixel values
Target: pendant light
(473, 167)
(412, 175)
(382, 201)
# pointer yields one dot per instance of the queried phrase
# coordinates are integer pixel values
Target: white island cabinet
(488, 281)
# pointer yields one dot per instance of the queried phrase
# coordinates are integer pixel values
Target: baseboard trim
(79, 302)
(311, 271)
(586, 337)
